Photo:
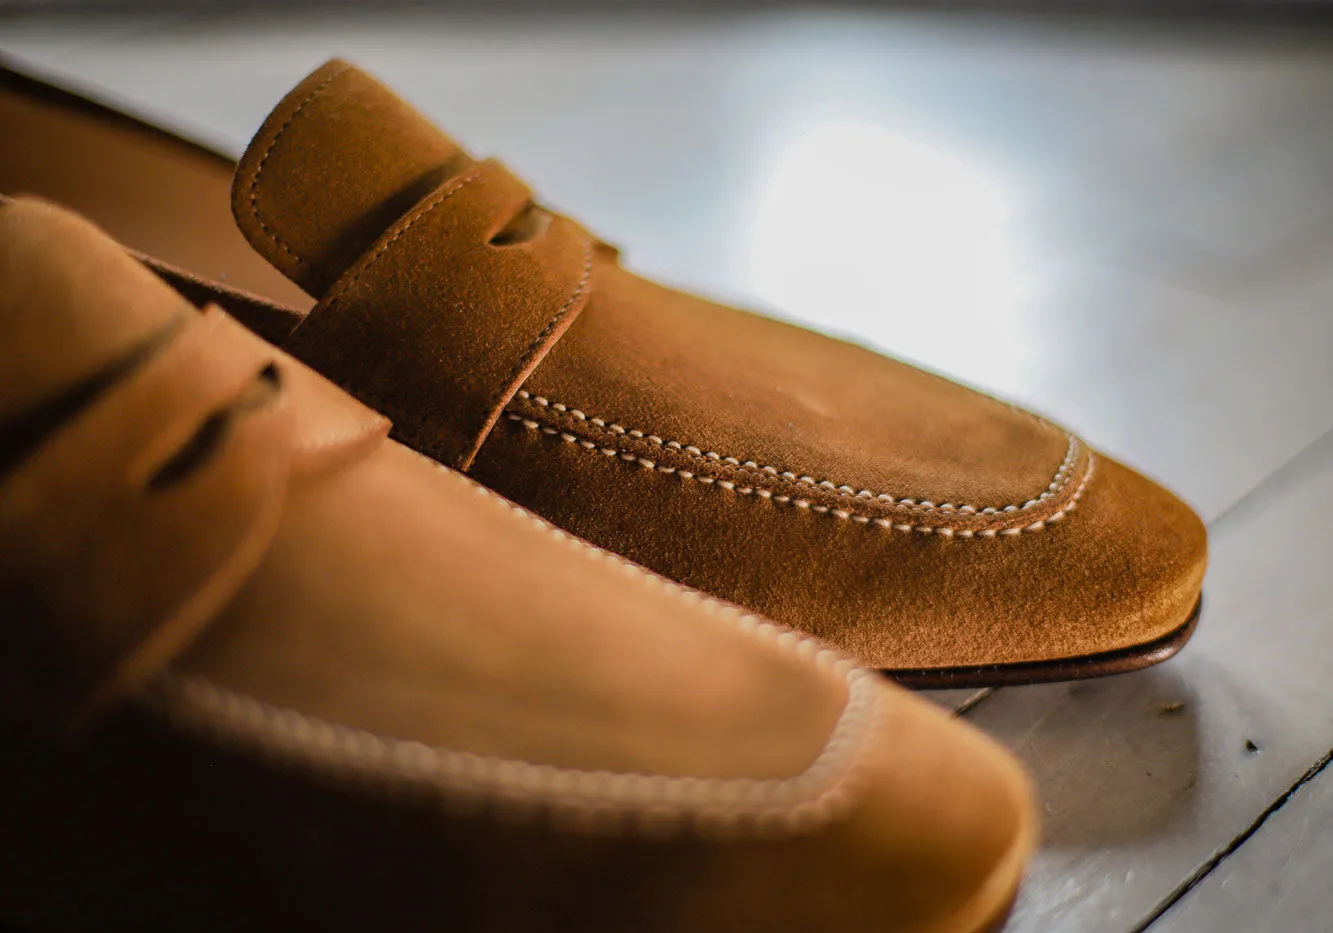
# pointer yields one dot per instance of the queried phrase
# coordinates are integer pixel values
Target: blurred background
(1116, 215)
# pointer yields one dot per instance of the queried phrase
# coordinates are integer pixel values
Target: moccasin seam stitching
(268, 151)
(598, 800)
(948, 531)
(1061, 479)
(722, 806)
(1059, 483)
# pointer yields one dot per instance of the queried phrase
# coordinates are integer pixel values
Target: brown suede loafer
(264, 669)
(930, 530)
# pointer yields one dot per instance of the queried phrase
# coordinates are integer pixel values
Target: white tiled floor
(1121, 224)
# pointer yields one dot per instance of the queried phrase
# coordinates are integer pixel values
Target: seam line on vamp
(1059, 482)
(598, 799)
(805, 504)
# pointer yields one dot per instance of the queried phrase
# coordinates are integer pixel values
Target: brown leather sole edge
(1121, 661)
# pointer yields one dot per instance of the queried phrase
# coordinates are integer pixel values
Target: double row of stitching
(817, 507)
(597, 801)
(863, 506)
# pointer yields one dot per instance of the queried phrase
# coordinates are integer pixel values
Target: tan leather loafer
(926, 528)
(263, 669)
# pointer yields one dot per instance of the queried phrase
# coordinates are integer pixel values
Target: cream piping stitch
(592, 800)
(1064, 474)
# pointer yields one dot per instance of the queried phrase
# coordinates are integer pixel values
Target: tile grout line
(965, 707)
(1259, 490)
(1311, 451)
(1204, 870)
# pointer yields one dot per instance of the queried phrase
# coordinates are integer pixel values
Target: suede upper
(265, 669)
(912, 520)
(927, 528)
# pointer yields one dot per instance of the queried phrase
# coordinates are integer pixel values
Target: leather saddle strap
(437, 325)
(137, 521)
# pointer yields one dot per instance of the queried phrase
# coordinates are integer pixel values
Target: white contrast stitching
(591, 800)
(1063, 474)
(819, 508)
(595, 800)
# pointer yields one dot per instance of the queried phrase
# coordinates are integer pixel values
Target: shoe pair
(380, 693)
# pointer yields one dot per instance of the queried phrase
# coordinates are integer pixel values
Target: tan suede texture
(474, 335)
(908, 519)
(99, 504)
(141, 184)
(180, 833)
(409, 680)
(903, 517)
(340, 228)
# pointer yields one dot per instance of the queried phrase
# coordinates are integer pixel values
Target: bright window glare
(867, 232)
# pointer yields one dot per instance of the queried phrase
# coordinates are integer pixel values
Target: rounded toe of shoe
(934, 827)
(1130, 566)
(1114, 584)
(944, 826)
